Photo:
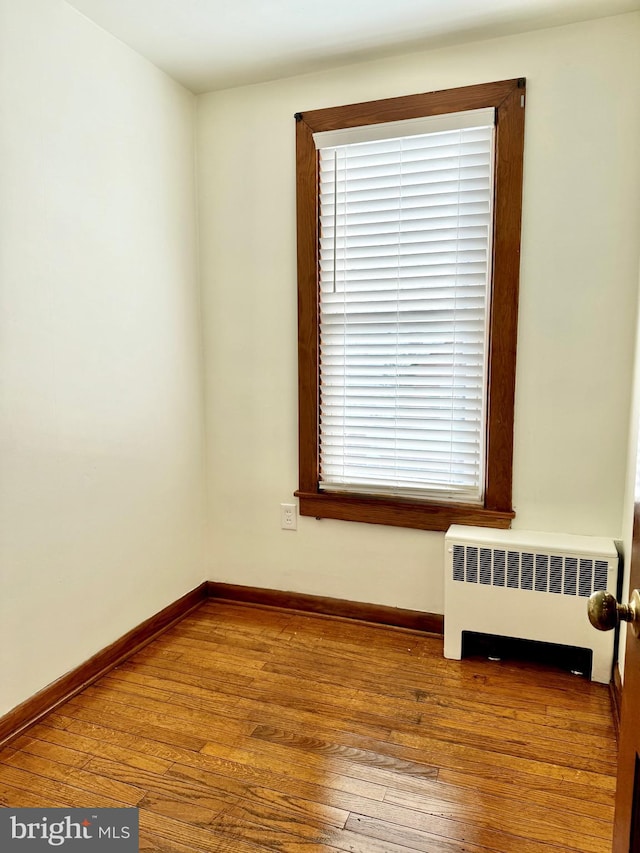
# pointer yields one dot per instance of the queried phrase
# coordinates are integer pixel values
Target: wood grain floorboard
(245, 729)
(443, 712)
(391, 712)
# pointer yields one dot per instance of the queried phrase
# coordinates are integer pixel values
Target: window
(408, 261)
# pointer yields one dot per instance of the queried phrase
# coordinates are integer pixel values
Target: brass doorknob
(605, 612)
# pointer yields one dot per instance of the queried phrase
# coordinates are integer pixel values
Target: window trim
(508, 98)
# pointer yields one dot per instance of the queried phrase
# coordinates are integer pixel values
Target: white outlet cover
(288, 516)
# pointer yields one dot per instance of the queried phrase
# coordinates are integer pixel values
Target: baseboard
(380, 614)
(615, 691)
(46, 700)
(34, 708)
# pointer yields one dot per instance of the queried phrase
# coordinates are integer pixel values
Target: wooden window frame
(508, 98)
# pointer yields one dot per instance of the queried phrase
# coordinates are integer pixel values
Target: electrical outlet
(288, 517)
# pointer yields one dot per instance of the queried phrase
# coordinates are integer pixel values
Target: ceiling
(216, 44)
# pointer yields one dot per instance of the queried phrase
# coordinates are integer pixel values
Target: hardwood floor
(245, 729)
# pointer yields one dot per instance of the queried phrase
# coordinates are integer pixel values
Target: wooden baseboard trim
(46, 700)
(380, 614)
(34, 708)
(615, 691)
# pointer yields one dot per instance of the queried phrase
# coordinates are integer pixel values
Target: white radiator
(526, 585)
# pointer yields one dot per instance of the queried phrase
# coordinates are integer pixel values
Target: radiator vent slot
(601, 571)
(485, 565)
(542, 572)
(472, 565)
(554, 573)
(526, 570)
(513, 571)
(499, 567)
(458, 563)
(570, 576)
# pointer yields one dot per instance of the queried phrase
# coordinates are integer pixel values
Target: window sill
(398, 512)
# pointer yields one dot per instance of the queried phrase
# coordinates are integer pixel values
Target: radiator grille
(526, 570)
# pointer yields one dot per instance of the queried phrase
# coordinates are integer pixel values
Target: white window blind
(405, 250)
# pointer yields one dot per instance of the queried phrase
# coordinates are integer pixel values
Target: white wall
(577, 307)
(632, 490)
(101, 436)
